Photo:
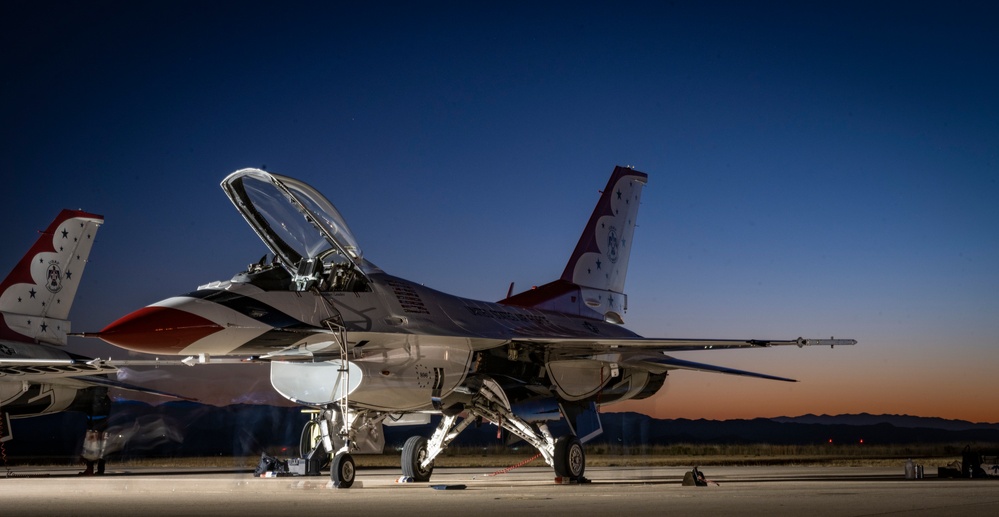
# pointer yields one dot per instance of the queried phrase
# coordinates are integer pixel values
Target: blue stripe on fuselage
(250, 307)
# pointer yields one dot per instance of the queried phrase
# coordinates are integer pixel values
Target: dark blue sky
(815, 169)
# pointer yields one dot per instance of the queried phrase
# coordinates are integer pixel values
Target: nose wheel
(342, 470)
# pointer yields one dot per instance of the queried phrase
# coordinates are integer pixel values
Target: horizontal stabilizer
(103, 381)
(673, 363)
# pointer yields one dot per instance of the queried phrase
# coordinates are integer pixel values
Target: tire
(570, 458)
(413, 453)
(342, 470)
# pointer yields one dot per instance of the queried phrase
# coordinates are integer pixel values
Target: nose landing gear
(342, 470)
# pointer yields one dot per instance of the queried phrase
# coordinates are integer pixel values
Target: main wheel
(570, 459)
(342, 470)
(413, 454)
(312, 437)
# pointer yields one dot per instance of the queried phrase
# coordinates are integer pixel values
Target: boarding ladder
(339, 333)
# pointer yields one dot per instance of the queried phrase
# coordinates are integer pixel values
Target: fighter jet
(368, 349)
(37, 375)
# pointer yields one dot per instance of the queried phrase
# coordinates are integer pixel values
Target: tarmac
(614, 491)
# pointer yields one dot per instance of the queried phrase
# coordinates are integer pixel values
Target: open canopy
(297, 223)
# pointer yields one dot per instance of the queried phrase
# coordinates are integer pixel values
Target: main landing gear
(569, 458)
(566, 455)
(414, 454)
(331, 431)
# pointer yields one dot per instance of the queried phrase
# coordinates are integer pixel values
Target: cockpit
(313, 247)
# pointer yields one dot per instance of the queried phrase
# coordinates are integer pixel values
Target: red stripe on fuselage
(158, 330)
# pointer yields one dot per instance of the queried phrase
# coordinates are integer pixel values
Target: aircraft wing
(77, 373)
(651, 354)
(111, 383)
(677, 345)
(49, 370)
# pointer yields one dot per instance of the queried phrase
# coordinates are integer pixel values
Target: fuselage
(406, 343)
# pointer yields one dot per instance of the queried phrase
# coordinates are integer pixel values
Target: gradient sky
(815, 169)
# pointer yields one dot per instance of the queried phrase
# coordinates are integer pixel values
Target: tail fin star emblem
(612, 244)
(54, 283)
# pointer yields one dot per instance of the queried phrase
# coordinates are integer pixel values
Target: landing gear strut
(336, 429)
(94, 445)
(96, 440)
(489, 402)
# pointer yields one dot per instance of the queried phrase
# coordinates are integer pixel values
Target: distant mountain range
(137, 429)
(895, 420)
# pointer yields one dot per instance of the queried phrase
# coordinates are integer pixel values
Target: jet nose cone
(158, 330)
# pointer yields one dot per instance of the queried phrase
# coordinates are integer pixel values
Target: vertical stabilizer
(600, 259)
(36, 296)
(592, 284)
